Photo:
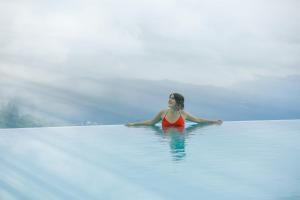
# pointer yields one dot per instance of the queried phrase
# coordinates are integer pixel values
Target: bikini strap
(180, 113)
(166, 113)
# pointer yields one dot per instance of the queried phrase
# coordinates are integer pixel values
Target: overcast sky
(201, 42)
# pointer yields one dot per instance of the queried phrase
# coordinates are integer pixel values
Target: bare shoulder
(187, 115)
(163, 111)
(184, 113)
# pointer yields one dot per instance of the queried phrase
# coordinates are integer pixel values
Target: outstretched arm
(151, 122)
(192, 118)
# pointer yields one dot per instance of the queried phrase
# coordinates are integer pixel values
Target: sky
(212, 42)
(66, 59)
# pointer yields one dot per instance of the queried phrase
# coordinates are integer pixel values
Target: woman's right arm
(192, 118)
(151, 122)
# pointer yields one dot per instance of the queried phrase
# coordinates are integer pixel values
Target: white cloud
(199, 42)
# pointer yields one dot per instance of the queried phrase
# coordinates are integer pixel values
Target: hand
(129, 124)
(219, 122)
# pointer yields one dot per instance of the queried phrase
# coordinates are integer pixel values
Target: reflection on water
(177, 138)
(239, 160)
(177, 145)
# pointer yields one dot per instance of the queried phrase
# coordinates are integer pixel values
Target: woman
(174, 116)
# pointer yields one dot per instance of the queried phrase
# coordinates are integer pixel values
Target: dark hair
(179, 100)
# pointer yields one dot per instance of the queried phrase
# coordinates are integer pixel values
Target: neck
(174, 110)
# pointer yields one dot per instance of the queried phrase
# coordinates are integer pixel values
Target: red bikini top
(179, 122)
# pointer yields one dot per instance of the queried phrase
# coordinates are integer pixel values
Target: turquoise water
(237, 160)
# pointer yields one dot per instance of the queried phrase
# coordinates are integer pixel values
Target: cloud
(198, 42)
(116, 101)
(81, 58)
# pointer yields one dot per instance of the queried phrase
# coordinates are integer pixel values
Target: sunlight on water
(237, 160)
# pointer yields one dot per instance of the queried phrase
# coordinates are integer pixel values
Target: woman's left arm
(192, 118)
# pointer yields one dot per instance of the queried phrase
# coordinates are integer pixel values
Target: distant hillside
(10, 117)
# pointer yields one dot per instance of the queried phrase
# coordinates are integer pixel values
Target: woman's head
(179, 99)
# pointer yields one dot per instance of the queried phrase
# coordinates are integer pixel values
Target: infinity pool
(237, 160)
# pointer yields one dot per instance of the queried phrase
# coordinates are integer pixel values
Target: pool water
(237, 160)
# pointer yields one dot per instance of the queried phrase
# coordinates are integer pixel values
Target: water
(237, 160)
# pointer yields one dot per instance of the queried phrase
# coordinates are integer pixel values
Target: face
(172, 102)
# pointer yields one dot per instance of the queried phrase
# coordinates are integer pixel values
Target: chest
(172, 118)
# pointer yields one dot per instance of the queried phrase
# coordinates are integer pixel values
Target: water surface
(237, 160)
